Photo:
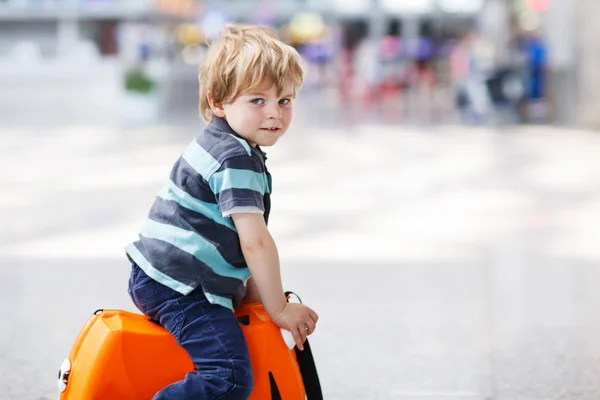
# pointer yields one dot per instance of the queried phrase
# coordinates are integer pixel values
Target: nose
(273, 111)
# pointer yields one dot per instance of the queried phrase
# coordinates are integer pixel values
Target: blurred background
(429, 61)
(436, 200)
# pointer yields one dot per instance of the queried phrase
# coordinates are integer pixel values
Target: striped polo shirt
(189, 239)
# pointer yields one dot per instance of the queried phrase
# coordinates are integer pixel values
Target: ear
(216, 108)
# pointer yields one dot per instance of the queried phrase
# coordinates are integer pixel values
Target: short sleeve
(239, 184)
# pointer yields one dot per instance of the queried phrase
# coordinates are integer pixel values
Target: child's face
(261, 117)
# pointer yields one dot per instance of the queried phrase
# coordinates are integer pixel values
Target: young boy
(205, 246)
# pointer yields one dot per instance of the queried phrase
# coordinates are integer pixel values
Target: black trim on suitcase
(275, 395)
(308, 370)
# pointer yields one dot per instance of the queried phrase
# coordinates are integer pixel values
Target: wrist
(276, 312)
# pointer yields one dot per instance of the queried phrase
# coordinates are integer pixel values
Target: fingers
(298, 338)
(310, 323)
(310, 327)
(303, 334)
(313, 315)
(302, 331)
(300, 320)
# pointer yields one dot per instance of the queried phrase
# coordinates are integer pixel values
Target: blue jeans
(211, 334)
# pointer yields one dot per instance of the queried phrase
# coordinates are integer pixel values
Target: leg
(252, 295)
(212, 337)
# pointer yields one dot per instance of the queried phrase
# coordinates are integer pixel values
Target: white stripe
(240, 210)
(243, 143)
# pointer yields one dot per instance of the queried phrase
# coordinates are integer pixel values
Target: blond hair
(240, 60)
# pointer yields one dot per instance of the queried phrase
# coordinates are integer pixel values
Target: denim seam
(227, 393)
(178, 326)
(234, 385)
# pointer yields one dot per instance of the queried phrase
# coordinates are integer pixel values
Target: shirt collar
(222, 125)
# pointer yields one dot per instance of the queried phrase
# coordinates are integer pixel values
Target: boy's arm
(262, 258)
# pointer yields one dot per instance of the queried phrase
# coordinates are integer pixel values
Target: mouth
(271, 130)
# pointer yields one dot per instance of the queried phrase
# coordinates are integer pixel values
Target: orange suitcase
(125, 356)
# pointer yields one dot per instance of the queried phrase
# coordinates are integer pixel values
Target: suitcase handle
(308, 369)
(288, 294)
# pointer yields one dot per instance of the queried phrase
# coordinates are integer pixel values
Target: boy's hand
(298, 319)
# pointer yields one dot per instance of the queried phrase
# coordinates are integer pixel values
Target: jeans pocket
(147, 294)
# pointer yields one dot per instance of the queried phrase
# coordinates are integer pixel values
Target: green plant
(136, 80)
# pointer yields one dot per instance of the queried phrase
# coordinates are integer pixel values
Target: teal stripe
(171, 192)
(155, 274)
(220, 300)
(231, 178)
(193, 244)
(243, 143)
(200, 160)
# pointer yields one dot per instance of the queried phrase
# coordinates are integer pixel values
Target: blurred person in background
(421, 74)
(350, 36)
(369, 70)
(535, 51)
(472, 97)
(205, 247)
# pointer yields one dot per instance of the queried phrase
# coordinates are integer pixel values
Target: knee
(234, 380)
(243, 381)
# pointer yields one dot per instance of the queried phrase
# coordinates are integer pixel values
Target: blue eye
(284, 101)
(257, 101)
